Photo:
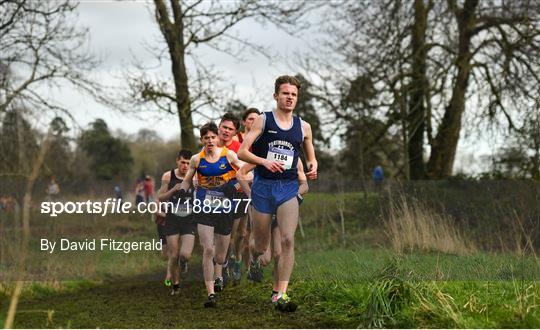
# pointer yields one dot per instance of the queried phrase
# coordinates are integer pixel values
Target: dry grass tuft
(412, 226)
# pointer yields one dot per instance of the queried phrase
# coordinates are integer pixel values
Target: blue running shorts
(268, 194)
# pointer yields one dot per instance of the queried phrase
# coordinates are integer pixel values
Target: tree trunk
(443, 149)
(173, 32)
(417, 109)
(187, 138)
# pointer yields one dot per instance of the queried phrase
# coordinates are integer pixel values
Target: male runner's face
(183, 165)
(210, 141)
(249, 121)
(286, 97)
(226, 131)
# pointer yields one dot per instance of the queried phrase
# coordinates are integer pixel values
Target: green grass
(361, 283)
(336, 288)
(395, 295)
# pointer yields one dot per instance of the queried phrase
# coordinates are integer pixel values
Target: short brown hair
(231, 117)
(184, 153)
(286, 80)
(249, 112)
(208, 127)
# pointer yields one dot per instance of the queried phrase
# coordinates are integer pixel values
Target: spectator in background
(53, 189)
(118, 193)
(139, 192)
(378, 176)
(149, 189)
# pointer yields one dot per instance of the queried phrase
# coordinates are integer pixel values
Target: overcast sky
(119, 31)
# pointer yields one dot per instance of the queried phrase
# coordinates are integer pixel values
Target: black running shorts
(222, 222)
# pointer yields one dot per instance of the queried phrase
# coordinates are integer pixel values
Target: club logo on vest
(273, 132)
(222, 166)
(281, 144)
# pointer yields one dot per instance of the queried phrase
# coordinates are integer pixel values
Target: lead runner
(275, 140)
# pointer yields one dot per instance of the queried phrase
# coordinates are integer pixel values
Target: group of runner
(241, 195)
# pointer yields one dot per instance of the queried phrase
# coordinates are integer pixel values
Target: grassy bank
(336, 288)
(368, 261)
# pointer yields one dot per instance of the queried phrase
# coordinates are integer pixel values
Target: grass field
(346, 281)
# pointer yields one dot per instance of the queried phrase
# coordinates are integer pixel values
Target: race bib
(284, 156)
(183, 210)
(216, 198)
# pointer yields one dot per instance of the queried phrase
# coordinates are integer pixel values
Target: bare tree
(186, 25)
(23, 249)
(497, 46)
(41, 47)
(358, 83)
(428, 63)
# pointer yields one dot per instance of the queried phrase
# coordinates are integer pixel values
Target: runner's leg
(206, 239)
(276, 253)
(287, 217)
(260, 232)
(239, 238)
(186, 247)
(222, 242)
(172, 264)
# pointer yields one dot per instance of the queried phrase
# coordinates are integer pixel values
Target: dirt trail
(143, 302)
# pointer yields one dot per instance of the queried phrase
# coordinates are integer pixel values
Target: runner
(179, 227)
(215, 167)
(248, 118)
(228, 129)
(244, 229)
(276, 138)
(274, 250)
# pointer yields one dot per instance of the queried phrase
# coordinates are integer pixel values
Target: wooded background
(394, 81)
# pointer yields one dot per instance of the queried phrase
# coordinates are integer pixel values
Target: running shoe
(211, 302)
(274, 298)
(183, 264)
(175, 290)
(255, 272)
(237, 271)
(218, 284)
(284, 304)
(167, 282)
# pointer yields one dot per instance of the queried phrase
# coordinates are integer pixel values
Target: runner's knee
(287, 241)
(208, 251)
(174, 254)
(259, 248)
(219, 260)
(185, 256)
(257, 252)
(265, 259)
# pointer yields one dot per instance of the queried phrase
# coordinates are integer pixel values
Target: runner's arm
(247, 156)
(243, 177)
(188, 178)
(303, 186)
(163, 194)
(311, 161)
(233, 159)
